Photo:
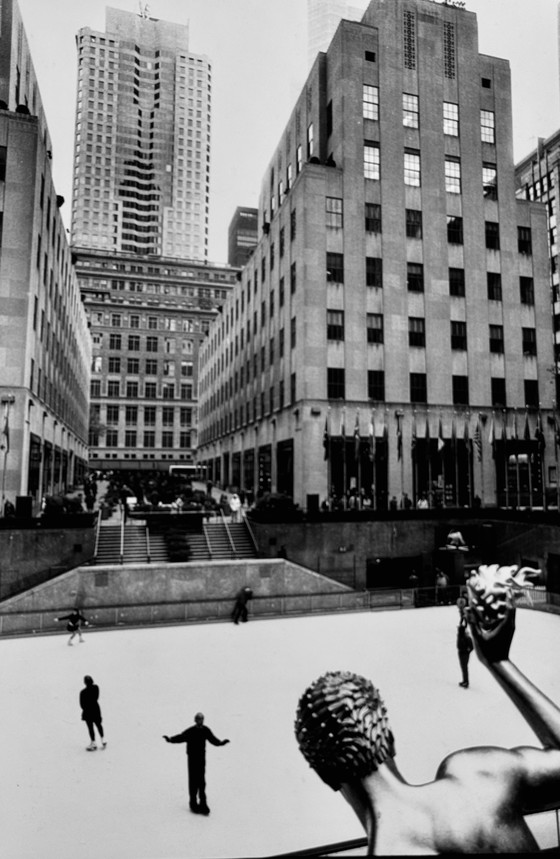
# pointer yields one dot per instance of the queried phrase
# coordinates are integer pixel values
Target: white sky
(258, 51)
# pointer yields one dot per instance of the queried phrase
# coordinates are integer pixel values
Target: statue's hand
(491, 612)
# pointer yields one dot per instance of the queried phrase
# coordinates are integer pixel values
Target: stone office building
(391, 333)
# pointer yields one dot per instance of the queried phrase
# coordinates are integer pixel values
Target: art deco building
(142, 140)
(323, 17)
(147, 316)
(243, 235)
(45, 346)
(391, 332)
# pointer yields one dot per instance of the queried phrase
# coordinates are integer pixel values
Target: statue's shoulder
(478, 762)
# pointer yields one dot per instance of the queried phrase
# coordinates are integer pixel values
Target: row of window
(418, 388)
(412, 170)
(152, 323)
(168, 390)
(151, 344)
(147, 439)
(132, 366)
(417, 332)
(169, 415)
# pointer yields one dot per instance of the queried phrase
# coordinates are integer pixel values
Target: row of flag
(441, 440)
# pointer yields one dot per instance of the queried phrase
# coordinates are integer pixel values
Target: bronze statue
(479, 796)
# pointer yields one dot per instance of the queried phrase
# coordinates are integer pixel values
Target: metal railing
(122, 537)
(148, 549)
(97, 536)
(228, 532)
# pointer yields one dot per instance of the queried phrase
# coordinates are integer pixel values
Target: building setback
(142, 140)
(391, 333)
(45, 347)
(243, 235)
(147, 316)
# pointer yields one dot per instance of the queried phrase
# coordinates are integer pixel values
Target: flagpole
(482, 470)
(344, 457)
(517, 475)
(505, 456)
(428, 440)
(556, 441)
(455, 460)
(467, 439)
(527, 437)
(414, 457)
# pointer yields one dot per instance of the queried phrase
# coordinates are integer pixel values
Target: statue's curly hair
(342, 728)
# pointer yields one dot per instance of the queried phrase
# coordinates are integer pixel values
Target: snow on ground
(57, 800)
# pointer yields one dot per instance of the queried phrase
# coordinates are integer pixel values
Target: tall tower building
(142, 140)
(391, 332)
(323, 17)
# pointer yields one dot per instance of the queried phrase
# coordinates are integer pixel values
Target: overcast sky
(258, 51)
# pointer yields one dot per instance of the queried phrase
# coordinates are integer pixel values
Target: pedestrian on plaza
(464, 649)
(74, 626)
(240, 611)
(91, 712)
(196, 737)
(442, 583)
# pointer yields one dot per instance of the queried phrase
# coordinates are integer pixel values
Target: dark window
(524, 242)
(335, 267)
(373, 217)
(335, 383)
(454, 230)
(132, 390)
(490, 181)
(293, 332)
(416, 331)
(457, 282)
(335, 325)
(414, 223)
(374, 322)
(499, 392)
(113, 389)
(3, 153)
(494, 286)
(293, 388)
(415, 277)
(459, 335)
(293, 279)
(526, 290)
(133, 343)
(374, 271)
(460, 390)
(496, 338)
(486, 83)
(418, 388)
(370, 56)
(115, 342)
(492, 230)
(529, 336)
(531, 392)
(376, 385)
(292, 224)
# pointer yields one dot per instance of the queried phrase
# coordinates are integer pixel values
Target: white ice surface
(130, 801)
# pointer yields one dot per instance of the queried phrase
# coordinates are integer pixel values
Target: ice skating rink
(130, 801)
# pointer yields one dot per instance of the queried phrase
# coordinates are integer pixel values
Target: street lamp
(6, 401)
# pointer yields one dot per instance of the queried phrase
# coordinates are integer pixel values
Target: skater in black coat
(196, 737)
(75, 621)
(240, 611)
(91, 712)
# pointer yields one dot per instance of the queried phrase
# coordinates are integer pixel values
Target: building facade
(142, 140)
(243, 235)
(323, 17)
(391, 333)
(147, 316)
(45, 347)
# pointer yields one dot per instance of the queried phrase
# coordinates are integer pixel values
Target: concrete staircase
(109, 546)
(135, 545)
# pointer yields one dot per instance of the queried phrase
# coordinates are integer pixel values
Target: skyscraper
(323, 17)
(142, 140)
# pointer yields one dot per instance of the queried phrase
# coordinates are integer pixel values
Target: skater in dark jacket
(74, 626)
(91, 712)
(195, 737)
(240, 611)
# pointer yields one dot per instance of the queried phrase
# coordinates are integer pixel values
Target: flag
(557, 434)
(515, 433)
(6, 436)
(357, 436)
(453, 432)
(343, 424)
(326, 437)
(466, 436)
(427, 433)
(372, 438)
(492, 437)
(539, 435)
(478, 441)
(413, 439)
(441, 440)
(526, 429)
(399, 438)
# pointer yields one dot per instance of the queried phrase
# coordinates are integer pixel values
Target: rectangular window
(372, 161)
(132, 390)
(167, 416)
(524, 241)
(333, 212)
(112, 415)
(95, 388)
(487, 126)
(374, 323)
(531, 392)
(151, 344)
(114, 365)
(292, 332)
(370, 101)
(149, 416)
(186, 392)
(526, 290)
(374, 272)
(457, 282)
(498, 388)
(376, 385)
(130, 438)
(451, 118)
(416, 331)
(414, 223)
(529, 338)
(453, 175)
(490, 181)
(186, 417)
(150, 390)
(115, 342)
(496, 339)
(152, 323)
(151, 367)
(410, 110)
(293, 224)
(293, 278)
(335, 325)
(336, 387)
(168, 391)
(112, 438)
(335, 267)
(373, 217)
(299, 159)
(113, 389)
(494, 285)
(310, 142)
(133, 366)
(412, 167)
(459, 335)
(492, 234)
(167, 440)
(149, 439)
(116, 320)
(418, 388)
(134, 321)
(460, 386)
(131, 415)
(454, 230)
(293, 383)
(184, 440)
(415, 277)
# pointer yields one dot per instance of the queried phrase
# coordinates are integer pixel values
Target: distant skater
(240, 611)
(465, 647)
(74, 626)
(91, 712)
(195, 737)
